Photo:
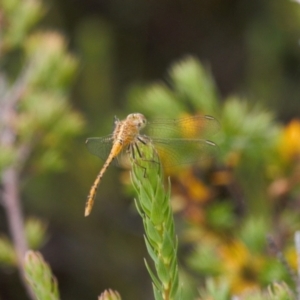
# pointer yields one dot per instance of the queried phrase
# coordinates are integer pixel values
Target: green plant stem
(154, 207)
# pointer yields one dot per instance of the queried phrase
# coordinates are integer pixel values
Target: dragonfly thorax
(127, 130)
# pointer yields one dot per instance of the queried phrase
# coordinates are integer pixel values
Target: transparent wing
(177, 141)
(194, 127)
(100, 146)
(174, 152)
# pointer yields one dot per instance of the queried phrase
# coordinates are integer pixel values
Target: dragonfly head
(137, 119)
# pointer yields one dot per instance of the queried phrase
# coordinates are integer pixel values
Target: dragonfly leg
(131, 150)
(143, 139)
(137, 149)
(141, 157)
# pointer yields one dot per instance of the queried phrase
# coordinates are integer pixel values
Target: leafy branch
(34, 111)
(154, 207)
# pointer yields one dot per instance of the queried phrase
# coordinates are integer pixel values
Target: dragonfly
(176, 141)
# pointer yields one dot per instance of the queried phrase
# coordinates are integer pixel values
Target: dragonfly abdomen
(116, 149)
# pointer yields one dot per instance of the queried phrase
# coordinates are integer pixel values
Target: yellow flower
(240, 267)
(292, 258)
(190, 194)
(196, 190)
(289, 145)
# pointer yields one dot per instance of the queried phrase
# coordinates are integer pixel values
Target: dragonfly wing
(174, 152)
(194, 127)
(100, 146)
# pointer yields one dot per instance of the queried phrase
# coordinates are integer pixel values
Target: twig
(11, 200)
(297, 244)
(10, 176)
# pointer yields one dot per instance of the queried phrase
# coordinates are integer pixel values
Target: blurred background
(238, 60)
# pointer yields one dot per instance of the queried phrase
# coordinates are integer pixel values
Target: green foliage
(44, 121)
(154, 207)
(221, 215)
(277, 291)
(7, 157)
(37, 126)
(253, 233)
(36, 74)
(39, 277)
(20, 17)
(48, 54)
(204, 260)
(7, 252)
(193, 84)
(35, 232)
(192, 90)
(221, 291)
(215, 291)
(230, 233)
(249, 131)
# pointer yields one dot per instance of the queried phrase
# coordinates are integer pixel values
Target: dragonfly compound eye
(142, 122)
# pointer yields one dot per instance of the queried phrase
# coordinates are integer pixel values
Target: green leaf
(153, 277)
(169, 222)
(138, 208)
(163, 272)
(145, 201)
(157, 293)
(175, 284)
(157, 209)
(152, 232)
(150, 250)
(167, 249)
